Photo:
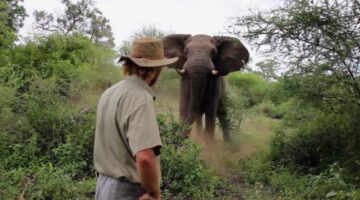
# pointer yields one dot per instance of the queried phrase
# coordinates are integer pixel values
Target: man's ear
(174, 47)
(232, 55)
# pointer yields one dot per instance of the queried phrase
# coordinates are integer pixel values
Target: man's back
(127, 138)
(122, 107)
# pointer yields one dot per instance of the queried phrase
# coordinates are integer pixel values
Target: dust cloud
(219, 155)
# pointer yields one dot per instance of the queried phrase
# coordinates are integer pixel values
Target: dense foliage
(12, 15)
(46, 137)
(184, 173)
(318, 97)
(250, 86)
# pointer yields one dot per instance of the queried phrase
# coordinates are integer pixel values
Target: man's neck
(147, 81)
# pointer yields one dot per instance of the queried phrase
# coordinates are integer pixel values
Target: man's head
(146, 59)
(148, 74)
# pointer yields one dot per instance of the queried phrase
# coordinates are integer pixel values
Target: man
(127, 138)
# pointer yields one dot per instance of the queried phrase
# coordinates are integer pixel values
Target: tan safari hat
(148, 52)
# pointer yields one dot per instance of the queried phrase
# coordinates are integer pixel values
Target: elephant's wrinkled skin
(203, 61)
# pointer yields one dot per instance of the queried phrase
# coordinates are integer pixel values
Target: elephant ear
(174, 47)
(232, 55)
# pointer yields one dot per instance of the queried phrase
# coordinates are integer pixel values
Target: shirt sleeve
(143, 132)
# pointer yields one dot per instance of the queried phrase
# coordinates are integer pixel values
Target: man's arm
(147, 169)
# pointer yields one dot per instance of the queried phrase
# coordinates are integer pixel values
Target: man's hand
(147, 196)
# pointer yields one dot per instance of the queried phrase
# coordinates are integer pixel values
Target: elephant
(203, 62)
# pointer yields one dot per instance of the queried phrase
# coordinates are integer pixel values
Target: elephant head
(219, 54)
(202, 61)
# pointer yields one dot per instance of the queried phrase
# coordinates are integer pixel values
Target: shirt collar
(142, 84)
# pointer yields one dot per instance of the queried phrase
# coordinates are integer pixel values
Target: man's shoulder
(136, 91)
(128, 92)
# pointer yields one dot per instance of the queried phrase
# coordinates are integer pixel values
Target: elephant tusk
(182, 71)
(243, 62)
(214, 72)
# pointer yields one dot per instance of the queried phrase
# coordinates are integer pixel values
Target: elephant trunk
(197, 93)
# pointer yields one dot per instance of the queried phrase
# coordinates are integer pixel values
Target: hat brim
(144, 62)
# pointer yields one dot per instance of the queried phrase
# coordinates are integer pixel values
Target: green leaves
(184, 174)
(308, 35)
(78, 18)
(47, 118)
(319, 41)
(12, 15)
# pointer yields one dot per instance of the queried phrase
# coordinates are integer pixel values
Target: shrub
(319, 140)
(184, 174)
(329, 184)
(251, 87)
(72, 62)
(271, 110)
(261, 174)
(235, 112)
(12, 183)
(43, 182)
(46, 136)
(264, 175)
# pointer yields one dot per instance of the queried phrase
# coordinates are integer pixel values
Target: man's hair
(130, 68)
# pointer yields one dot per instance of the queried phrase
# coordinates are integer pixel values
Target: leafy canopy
(12, 15)
(309, 37)
(80, 17)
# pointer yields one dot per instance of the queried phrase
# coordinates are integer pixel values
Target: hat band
(148, 57)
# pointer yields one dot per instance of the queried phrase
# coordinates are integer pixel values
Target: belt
(126, 180)
(122, 179)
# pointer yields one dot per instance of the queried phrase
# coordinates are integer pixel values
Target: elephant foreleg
(224, 119)
(210, 124)
(198, 121)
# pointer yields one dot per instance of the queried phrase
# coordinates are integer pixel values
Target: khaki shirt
(125, 124)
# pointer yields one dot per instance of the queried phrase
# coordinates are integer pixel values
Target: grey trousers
(108, 188)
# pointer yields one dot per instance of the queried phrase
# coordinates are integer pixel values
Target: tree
(309, 36)
(80, 17)
(268, 69)
(320, 94)
(12, 15)
(146, 31)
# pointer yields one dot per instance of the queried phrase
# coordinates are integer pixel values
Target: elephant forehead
(202, 39)
(199, 46)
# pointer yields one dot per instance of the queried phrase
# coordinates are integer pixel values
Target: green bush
(184, 174)
(12, 183)
(251, 87)
(43, 182)
(72, 62)
(49, 182)
(329, 184)
(46, 126)
(271, 110)
(284, 183)
(320, 139)
(261, 174)
(235, 112)
(50, 132)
